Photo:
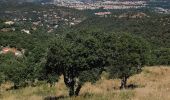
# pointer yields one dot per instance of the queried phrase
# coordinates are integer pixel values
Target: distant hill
(44, 1)
(22, 1)
(120, 0)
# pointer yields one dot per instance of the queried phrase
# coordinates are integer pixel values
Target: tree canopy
(78, 56)
(127, 57)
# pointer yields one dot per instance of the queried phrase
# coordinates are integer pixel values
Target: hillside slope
(152, 84)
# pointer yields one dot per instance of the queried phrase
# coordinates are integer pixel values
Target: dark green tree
(13, 69)
(128, 54)
(161, 56)
(79, 57)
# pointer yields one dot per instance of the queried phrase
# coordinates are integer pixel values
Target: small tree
(12, 69)
(129, 55)
(76, 56)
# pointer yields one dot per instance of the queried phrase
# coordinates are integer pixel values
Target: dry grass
(152, 84)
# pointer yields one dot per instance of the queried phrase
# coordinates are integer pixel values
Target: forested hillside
(41, 43)
(154, 28)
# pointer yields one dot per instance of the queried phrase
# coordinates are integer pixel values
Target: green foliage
(82, 56)
(76, 56)
(155, 29)
(90, 75)
(162, 56)
(2, 77)
(12, 69)
(95, 44)
(29, 67)
(129, 55)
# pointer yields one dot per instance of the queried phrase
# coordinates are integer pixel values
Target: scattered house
(25, 31)
(123, 15)
(73, 18)
(103, 13)
(137, 15)
(13, 29)
(24, 19)
(45, 15)
(16, 52)
(66, 20)
(51, 30)
(72, 24)
(77, 21)
(34, 28)
(9, 22)
(7, 29)
(56, 26)
(36, 23)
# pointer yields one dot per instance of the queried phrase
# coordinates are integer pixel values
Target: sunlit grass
(152, 84)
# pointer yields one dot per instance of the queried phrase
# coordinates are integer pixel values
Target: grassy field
(152, 84)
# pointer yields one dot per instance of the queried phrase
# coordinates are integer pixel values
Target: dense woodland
(119, 46)
(155, 29)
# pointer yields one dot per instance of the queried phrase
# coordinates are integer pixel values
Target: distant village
(101, 4)
(27, 21)
(51, 19)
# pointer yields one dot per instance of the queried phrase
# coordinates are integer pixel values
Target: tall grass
(152, 84)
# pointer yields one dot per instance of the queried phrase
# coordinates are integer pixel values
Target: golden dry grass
(152, 84)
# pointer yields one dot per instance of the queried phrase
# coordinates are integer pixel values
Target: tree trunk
(123, 83)
(78, 90)
(71, 91)
(69, 82)
(15, 87)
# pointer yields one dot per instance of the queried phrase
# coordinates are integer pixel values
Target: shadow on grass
(132, 86)
(54, 97)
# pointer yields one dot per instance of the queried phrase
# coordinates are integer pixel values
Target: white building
(9, 22)
(25, 31)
